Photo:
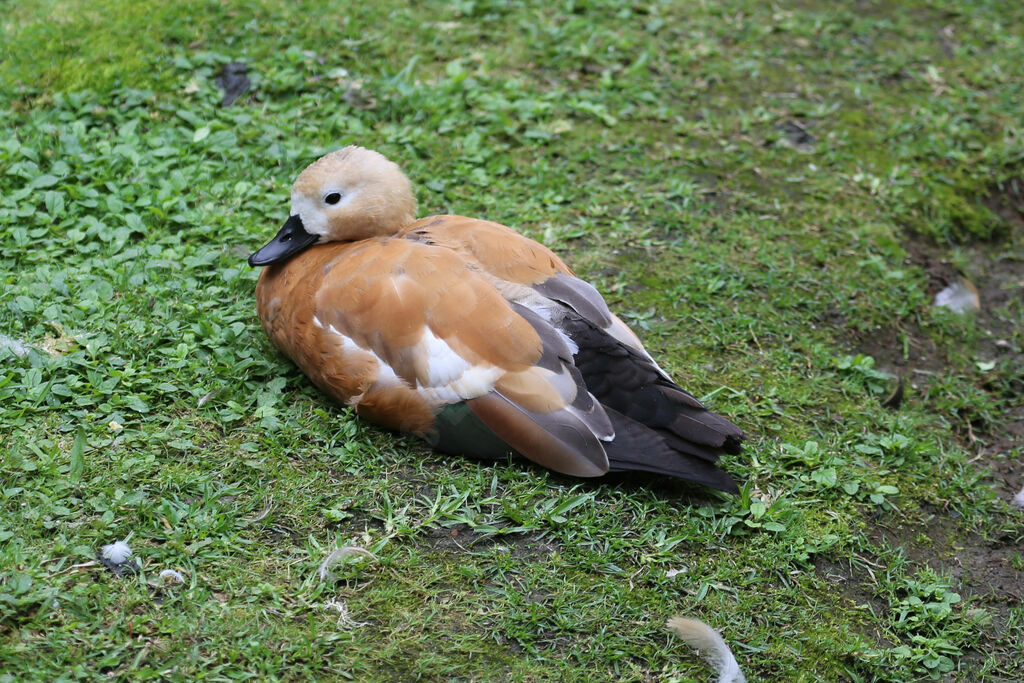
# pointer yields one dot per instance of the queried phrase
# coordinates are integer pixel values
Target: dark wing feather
(625, 381)
(659, 427)
(637, 447)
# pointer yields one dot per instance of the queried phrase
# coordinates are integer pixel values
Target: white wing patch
(437, 362)
(449, 377)
(347, 343)
(385, 374)
(445, 376)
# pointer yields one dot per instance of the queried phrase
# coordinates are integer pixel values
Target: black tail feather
(667, 430)
(640, 448)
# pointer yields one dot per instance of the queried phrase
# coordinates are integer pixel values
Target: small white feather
(709, 645)
(347, 344)
(443, 365)
(1018, 500)
(344, 615)
(117, 552)
(339, 554)
(17, 347)
(573, 347)
(960, 297)
(385, 374)
(476, 381)
(172, 576)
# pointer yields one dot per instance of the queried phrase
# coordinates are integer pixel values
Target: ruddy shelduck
(469, 335)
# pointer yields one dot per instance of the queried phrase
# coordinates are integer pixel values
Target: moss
(953, 210)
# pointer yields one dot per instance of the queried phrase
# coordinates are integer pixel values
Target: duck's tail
(639, 448)
(709, 645)
(659, 427)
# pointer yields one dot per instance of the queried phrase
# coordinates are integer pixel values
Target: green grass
(659, 146)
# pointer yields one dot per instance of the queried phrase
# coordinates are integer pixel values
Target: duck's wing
(659, 427)
(437, 329)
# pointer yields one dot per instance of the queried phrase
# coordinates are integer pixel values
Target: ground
(771, 195)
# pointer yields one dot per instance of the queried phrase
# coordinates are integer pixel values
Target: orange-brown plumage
(502, 251)
(468, 334)
(345, 286)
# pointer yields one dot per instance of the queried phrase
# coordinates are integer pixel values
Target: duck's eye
(333, 198)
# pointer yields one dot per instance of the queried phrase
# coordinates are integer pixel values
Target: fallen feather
(117, 552)
(340, 554)
(15, 346)
(344, 616)
(117, 557)
(1018, 500)
(709, 645)
(961, 296)
(172, 576)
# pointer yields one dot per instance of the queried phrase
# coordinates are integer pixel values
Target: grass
(750, 185)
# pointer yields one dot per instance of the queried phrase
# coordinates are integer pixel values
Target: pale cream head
(352, 194)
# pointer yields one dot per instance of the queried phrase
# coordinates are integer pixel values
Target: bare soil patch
(988, 570)
(996, 270)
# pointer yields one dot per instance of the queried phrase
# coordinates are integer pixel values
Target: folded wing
(439, 328)
(658, 426)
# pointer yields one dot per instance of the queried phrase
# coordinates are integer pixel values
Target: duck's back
(498, 249)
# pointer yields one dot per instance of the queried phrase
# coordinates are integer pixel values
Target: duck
(469, 335)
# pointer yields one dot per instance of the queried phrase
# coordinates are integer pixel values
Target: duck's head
(351, 194)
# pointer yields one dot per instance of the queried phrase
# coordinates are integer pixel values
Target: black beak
(290, 239)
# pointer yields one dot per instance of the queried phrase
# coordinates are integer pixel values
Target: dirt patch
(998, 275)
(904, 350)
(850, 584)
(462, 538)
(1006, 200)
(988, 571)
(996, 271)
(1007, 472)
